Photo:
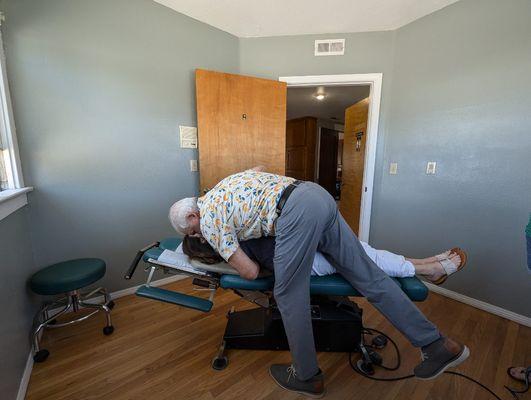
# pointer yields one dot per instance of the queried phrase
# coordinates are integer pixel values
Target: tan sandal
(449, 267)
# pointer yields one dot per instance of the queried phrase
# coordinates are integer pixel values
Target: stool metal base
(72, 301)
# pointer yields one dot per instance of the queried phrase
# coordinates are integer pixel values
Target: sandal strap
(443, 256)
(448, 266)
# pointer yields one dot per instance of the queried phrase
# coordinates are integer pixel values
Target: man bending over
(304, 218)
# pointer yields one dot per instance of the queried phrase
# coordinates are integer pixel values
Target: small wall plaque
(188, 137)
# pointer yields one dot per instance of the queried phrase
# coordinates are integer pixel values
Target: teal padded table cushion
(67, 276)
(166, 244)
(415, 289)
(331, 285)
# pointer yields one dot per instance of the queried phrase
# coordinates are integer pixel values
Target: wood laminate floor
(161, 351)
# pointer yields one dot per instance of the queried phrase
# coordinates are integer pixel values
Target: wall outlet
(393, 168)
(430, 168)
(193, 165)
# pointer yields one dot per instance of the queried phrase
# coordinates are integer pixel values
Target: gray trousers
(310, 221)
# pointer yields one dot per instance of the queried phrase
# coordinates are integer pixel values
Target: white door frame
(375, 83)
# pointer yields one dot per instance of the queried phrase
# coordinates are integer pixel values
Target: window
(10, 174)
(12, 190)
(3, 173)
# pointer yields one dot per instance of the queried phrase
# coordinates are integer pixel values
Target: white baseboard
(501, 312)
(23, 387)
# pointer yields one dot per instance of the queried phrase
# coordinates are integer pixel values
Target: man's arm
(246, 267)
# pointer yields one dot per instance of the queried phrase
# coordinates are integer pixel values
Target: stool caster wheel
(379, 342)
(111, 304)
(41, 356)
(220, 363)
(108, 330)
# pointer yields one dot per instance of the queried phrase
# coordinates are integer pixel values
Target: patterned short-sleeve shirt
(240, 207)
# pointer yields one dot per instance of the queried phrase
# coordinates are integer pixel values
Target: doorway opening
(331, 131)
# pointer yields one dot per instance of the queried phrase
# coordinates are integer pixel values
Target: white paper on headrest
(174, 258)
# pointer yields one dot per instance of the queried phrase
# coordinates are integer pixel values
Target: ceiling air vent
(330, 47)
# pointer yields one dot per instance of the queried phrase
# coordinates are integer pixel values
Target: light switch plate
(430, 168)
(193, 165)
(393, 168)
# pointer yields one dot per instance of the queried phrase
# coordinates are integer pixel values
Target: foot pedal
(169, 296)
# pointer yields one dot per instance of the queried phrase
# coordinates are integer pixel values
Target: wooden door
(354, 162)
(328, 144)
(301, 135)
(241, 123)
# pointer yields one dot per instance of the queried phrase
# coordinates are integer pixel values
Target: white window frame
(15, 196)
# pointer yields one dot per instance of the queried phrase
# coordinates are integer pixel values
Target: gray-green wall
(99, 89)
(457, 90)
(18, 304)
(461, 96)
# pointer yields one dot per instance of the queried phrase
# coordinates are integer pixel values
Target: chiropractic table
(336, 320)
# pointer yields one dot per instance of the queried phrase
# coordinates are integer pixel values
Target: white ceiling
(302, 102)
(253, 18)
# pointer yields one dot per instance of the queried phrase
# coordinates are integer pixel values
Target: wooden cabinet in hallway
(301, 136)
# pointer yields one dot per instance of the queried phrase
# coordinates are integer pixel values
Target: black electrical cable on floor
(476, 382)
(399, 378)
(398, 357)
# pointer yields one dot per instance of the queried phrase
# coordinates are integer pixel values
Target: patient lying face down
(262, 251)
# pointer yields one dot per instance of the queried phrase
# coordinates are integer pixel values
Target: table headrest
(224, 268)
(219, 268)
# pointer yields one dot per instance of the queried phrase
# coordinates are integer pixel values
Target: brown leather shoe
(286, 377)
(440, 355)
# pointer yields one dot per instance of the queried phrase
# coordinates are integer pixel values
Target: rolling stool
(66, 279)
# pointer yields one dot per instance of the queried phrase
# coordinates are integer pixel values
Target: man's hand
(246, 267)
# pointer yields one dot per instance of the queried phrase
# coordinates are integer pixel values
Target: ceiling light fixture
(320, 96)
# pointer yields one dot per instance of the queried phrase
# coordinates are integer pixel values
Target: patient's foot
(286, 377)
(434, 271)
(430, 260)
(440, 355)
(439, 257)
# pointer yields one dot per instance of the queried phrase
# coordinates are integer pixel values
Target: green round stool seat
(67, 276)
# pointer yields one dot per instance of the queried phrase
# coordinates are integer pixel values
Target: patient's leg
(392, 264)
(398, 266)
(433, 271)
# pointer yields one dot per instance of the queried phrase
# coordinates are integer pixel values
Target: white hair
(180, 211)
